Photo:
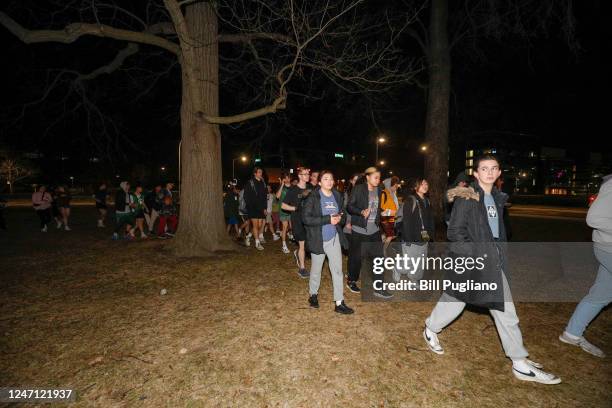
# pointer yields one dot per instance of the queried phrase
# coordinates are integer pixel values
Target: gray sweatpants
(506, 322)
(333, 252)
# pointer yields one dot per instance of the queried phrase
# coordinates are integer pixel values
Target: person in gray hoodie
(599, 218)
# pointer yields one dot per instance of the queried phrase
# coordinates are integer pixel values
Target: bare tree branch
(112, 66)
(76, 30)
(248, 37)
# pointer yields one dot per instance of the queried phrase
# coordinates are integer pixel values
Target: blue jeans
(599, 296)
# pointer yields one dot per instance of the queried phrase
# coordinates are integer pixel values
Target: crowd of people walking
(366, 216)
(136, 212)
(52, 205)
(361, 219)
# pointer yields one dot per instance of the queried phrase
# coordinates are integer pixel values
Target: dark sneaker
(343, 309)
(303, 273)
(383, 294)
(352, 286)
(314, 302)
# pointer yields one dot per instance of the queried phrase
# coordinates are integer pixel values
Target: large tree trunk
(201, 229)
(436, 126)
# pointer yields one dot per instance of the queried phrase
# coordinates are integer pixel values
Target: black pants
(44, 216)
(363, 247)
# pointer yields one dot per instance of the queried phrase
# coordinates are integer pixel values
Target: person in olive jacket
(476, 229)
(323, 219)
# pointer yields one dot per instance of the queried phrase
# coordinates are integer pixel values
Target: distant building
(531, 169)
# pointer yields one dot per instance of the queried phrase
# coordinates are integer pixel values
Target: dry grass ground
(80, 311)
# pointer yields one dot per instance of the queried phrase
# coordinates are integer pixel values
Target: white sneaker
(290, 235)
(100, 224)
(67, 228)
(275, 237)
(58, 224)
(143, 235)
(581, 342)
(261, 239)
(259, 246)
(43, 229)
(247, 240)
(285, 249)
(432, 341)
(524, 371)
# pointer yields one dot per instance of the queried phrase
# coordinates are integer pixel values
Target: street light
(163, 168)
(382, 162)
(423, 148)
(72, 181)
(243, 159)
(379, 140)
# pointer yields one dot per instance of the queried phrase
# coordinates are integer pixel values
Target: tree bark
(436, 124)
(201, 229)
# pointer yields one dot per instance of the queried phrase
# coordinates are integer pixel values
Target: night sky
(537, 87)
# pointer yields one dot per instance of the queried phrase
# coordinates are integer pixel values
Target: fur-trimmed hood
(463, 192)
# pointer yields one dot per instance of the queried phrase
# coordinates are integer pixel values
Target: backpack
(383, 195)
(399, 216)
(242, 203)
